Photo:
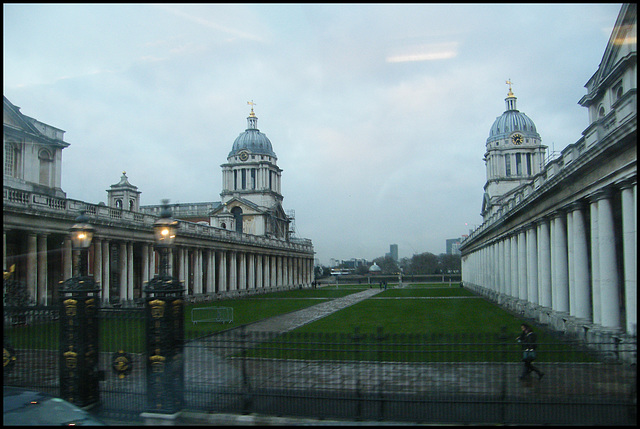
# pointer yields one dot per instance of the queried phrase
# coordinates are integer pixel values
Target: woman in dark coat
(528, 340)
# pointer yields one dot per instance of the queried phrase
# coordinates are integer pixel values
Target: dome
(512, 120)
(375, 268)
(252, 140)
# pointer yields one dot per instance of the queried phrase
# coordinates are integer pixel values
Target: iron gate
(32, 355)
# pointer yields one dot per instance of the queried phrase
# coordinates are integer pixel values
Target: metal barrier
(435, 378)
(212, 314)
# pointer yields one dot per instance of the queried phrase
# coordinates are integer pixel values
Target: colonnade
(123, 267)
(578, 261)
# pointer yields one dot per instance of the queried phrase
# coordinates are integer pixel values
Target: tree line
(423, 263)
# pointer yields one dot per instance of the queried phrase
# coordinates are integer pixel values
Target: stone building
(212, 260)
(559, 238)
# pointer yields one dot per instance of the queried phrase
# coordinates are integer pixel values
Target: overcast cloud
(378, 114)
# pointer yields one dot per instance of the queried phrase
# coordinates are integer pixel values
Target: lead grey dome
(511, 121)
(252, 140)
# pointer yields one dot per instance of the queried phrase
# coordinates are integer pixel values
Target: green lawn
(434, 321)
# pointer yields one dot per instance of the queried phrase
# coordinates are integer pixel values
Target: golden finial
(510, 94)
(251, 103)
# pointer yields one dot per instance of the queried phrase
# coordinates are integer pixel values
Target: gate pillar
(164, 310)
(79, 346)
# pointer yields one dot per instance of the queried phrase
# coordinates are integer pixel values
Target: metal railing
(437, 378)
(434, 378)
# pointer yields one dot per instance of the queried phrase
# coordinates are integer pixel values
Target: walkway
(295, 319)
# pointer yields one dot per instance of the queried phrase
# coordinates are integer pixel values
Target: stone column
(544, 263)
(197, 270)
(581, 291)
(259, 271)
(180, 269)
(97, 262)
(559, 274)
(222, 272)
(186, 269)
(274, 275)
(106, 271)
(122, 263)
(515, 288)
(501, 274)
(242, 263)
(145, 264)
(279, 272)
(495, 254)
(67, 258)
(610, 301)
(130, 271)
(629, 231)
(570, 269)
(42, 269)
(532, 264)
(32, 266)
(522, 265)
(211, 271)
(251, 260)
(507, 266)
(233, 271)
(595, 261)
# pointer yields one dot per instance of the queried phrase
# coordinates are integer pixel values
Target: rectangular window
(529, 170)
(9, 160)
(518, 164)
(244, 179)
(507, 164)
(235, 179)
(253, 178)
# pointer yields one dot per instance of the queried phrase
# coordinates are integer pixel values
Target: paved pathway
(295, 319)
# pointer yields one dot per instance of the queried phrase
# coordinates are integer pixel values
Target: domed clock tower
(514, 155)
(251, 186)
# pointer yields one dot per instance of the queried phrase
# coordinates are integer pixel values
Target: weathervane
(251, 103)
(509, 83)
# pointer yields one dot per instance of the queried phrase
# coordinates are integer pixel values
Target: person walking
(528, 339)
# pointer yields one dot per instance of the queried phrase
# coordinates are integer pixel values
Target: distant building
(453, 246)
(393, 252)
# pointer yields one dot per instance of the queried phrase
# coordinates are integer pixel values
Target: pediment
(11, 116)
(248, 208)
(618, 48)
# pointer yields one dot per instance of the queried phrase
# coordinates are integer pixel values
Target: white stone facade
(562, 247)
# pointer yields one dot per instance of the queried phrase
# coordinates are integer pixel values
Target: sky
(378, 114)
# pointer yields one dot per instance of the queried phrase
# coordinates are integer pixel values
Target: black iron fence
(461, 378)
(438, 378)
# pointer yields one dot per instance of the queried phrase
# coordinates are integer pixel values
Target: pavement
(296, 319)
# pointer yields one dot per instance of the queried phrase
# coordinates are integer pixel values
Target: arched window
(132, 204)
(237, 214)
(118, 203)
(601, 112)
(46, 162)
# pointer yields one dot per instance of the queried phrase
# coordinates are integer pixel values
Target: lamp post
(164, 308)
(79, 376)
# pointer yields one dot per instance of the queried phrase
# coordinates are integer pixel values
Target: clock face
(244, 156)
(517, 139)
